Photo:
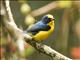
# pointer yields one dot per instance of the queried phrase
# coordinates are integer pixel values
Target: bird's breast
(42, 35)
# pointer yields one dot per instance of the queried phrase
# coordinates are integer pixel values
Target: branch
(18, 34)
(48, 51)
(45, 9)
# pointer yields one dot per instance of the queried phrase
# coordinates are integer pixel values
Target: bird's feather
(40, 26)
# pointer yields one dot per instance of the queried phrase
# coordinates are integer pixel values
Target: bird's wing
(38, 27)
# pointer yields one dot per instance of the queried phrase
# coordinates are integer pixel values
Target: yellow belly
(42, 35)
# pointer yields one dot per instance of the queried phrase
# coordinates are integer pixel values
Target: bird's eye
(49, 19)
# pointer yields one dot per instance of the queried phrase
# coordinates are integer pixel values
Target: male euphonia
(42, 29)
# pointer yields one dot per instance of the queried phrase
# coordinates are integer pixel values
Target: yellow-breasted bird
(42, 29)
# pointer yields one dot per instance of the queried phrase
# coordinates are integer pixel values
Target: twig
(9, 11)
(45, 9)
(19, 34)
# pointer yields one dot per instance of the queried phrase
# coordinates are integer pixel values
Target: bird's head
(47, 18)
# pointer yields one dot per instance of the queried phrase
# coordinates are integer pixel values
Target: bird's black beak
(52, 19)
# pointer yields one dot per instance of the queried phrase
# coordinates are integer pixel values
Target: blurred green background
(65, 39)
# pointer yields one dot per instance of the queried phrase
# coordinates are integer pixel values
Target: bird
(42, 29)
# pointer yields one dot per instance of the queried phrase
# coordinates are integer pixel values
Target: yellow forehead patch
(50, 16)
